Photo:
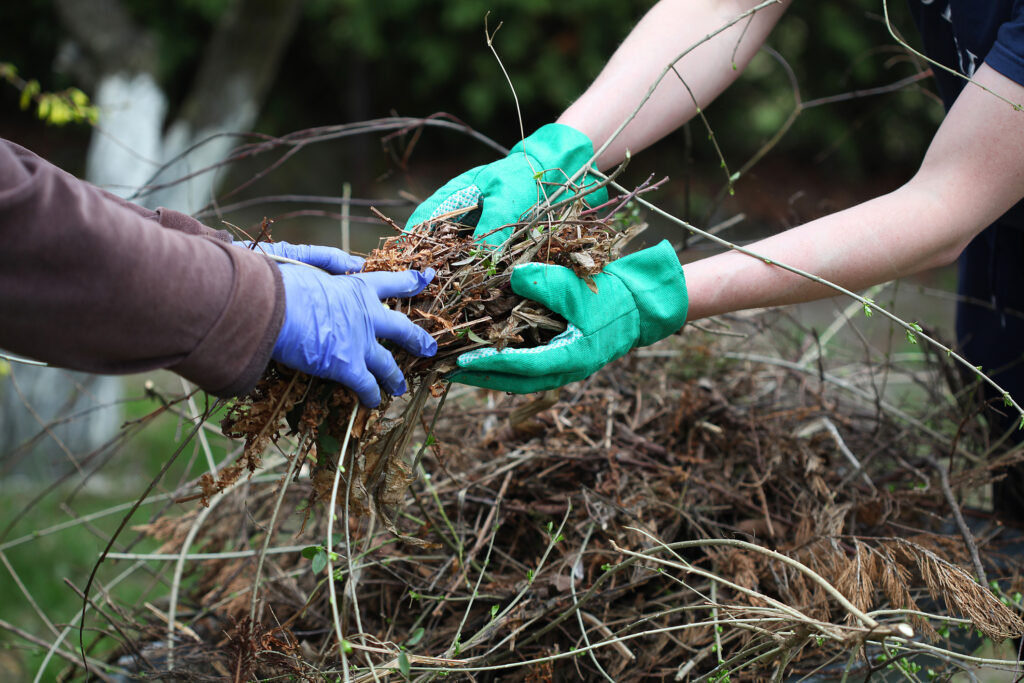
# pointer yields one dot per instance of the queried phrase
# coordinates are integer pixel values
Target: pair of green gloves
(640, 298)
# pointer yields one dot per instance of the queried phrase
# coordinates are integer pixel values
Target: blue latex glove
(334, 261)
(332, 323)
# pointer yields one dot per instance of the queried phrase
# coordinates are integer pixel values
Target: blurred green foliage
(353, 59)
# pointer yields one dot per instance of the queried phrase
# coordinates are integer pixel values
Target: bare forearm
(970, 176)
(856, 248)
(670, 28)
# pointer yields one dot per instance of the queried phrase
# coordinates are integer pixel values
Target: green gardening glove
(640, 299)
(501, 192)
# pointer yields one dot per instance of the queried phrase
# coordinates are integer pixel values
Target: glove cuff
(655, 279)
(561, 151)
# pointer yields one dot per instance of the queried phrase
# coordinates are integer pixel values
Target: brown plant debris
(469, 304)
(590, 513)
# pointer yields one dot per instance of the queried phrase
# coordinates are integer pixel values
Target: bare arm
(972, 173)
(668, 29)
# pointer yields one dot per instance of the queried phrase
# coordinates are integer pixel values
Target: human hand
(640, 299)
(332, 324)
(499, 193)
(333, 260)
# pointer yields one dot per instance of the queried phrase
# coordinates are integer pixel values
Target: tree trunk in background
(126, 149)
(240, 64)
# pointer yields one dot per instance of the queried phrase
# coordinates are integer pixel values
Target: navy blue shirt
(963, 34)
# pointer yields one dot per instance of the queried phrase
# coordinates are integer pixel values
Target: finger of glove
(396, 327)
(402, 284)
(430, 206)
(559, 289)
(383, 366)
(498, 212)
(515, 384)
(570, 356)
(363, 383)
(333, 260)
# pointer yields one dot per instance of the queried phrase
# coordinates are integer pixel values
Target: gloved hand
(334, 261)
(499, 193)
(332, 323)
(640, 299)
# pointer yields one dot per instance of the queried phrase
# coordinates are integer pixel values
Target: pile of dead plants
(679, 516)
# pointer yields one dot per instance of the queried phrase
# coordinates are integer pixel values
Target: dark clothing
(961, 35)
(91, 282)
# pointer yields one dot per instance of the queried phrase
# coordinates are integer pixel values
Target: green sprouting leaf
(529, 576)
(430, 440)
(43, 110)
(309, 552)
(403, 664)
(416, 637)
(79, 98)
(346, 647)
(474, 337)
(30, 90)
(319, 561)
(494, 610)
(867, 307)
(1006, 399)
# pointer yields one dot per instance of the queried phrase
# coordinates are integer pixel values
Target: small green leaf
(416, 637)
(474, 337)
(31, 90)
(403, 664)
(494, 610)
(867, 307)
(346, 647)
(309, 552)
(319, 561)
(1006, 399)
(430, 441)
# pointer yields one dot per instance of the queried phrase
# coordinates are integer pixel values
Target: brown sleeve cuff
(232, 356)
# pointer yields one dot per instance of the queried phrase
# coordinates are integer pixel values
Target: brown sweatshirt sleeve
(91, 282)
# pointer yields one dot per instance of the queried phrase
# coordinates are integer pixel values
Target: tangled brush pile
(469, 304)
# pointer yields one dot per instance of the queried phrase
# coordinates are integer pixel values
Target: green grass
(43, 562)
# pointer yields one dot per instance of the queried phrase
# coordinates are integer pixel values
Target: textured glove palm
(332, 323)
(640, 299)
(497, 194)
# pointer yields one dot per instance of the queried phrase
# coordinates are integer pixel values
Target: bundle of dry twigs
(469, 304)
